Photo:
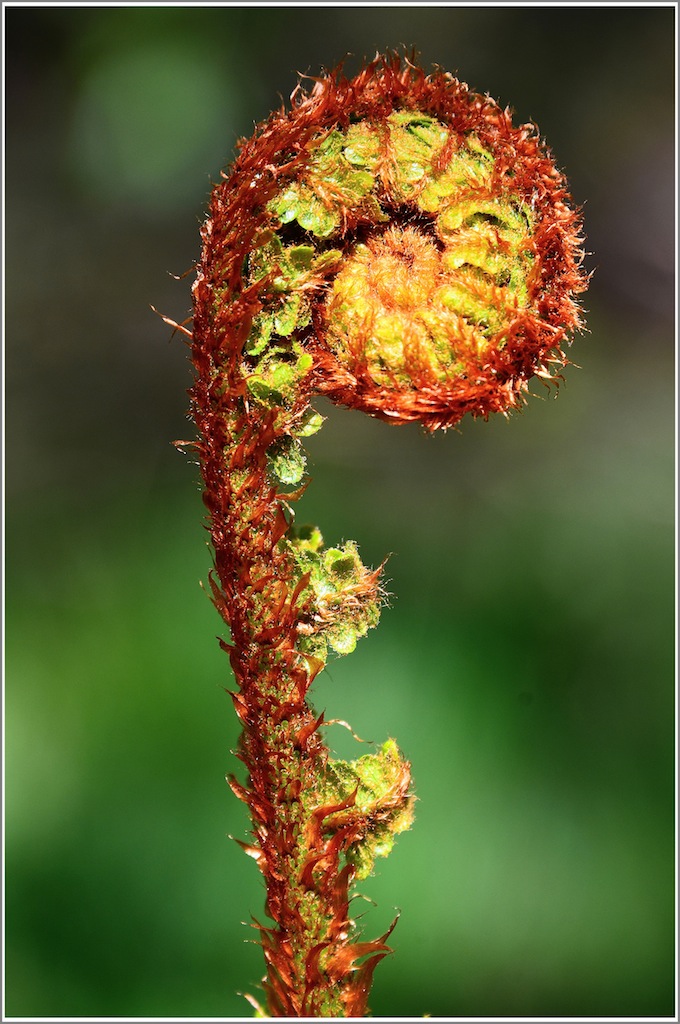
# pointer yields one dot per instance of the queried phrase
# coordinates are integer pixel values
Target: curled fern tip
(395, 243)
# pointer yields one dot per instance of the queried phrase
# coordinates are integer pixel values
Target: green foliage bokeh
(525, 664)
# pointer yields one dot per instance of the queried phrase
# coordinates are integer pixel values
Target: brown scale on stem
(394, 243)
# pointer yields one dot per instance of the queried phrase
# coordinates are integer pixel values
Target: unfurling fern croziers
(391, 242)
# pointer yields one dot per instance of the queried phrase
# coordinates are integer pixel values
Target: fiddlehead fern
(394, 243)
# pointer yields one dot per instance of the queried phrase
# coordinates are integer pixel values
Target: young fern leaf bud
(392, 242)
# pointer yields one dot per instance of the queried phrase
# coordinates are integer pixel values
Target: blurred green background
(526, 664)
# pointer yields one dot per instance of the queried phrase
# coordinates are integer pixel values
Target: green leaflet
(340, 598)
(382, 803)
